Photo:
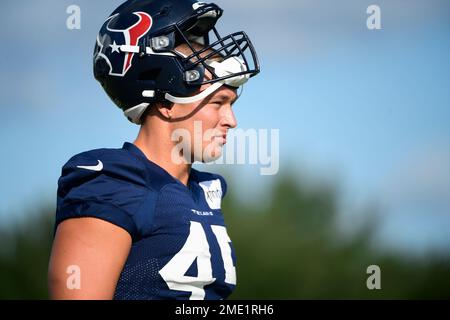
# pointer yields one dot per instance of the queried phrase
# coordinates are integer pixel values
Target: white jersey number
(197, 247)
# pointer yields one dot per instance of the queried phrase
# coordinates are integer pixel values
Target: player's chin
(212, 152)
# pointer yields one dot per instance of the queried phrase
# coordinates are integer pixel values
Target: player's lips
(222, 138)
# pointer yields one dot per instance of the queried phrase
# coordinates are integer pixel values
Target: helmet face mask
(137, 62)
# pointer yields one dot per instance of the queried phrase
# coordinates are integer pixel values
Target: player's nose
(229, 119)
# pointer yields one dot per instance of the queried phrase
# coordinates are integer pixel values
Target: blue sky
(368, 109)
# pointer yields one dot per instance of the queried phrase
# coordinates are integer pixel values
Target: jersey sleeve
(102, 195)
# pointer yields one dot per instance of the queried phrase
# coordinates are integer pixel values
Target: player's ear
(165, 110)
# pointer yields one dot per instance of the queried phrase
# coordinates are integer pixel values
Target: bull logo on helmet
(109, 42)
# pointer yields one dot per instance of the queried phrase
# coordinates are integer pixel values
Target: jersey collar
(156, 168)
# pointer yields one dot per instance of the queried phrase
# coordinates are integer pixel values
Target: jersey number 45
(197, 247)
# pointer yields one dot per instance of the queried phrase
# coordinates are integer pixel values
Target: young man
(139, 222)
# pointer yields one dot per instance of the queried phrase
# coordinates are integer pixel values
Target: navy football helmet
(137, 62)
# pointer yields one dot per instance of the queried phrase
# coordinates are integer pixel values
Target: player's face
(207, 123)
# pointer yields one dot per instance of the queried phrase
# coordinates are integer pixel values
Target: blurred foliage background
(289, 249)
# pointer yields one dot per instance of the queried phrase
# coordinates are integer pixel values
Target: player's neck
(157, 147)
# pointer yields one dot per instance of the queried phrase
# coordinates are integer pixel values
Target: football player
(138, 222)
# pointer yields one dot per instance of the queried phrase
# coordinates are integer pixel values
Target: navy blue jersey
(180, 246)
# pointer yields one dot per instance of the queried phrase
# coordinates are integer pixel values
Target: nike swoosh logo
(98, 167)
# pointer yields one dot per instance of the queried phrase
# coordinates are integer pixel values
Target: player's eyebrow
(224, 97)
